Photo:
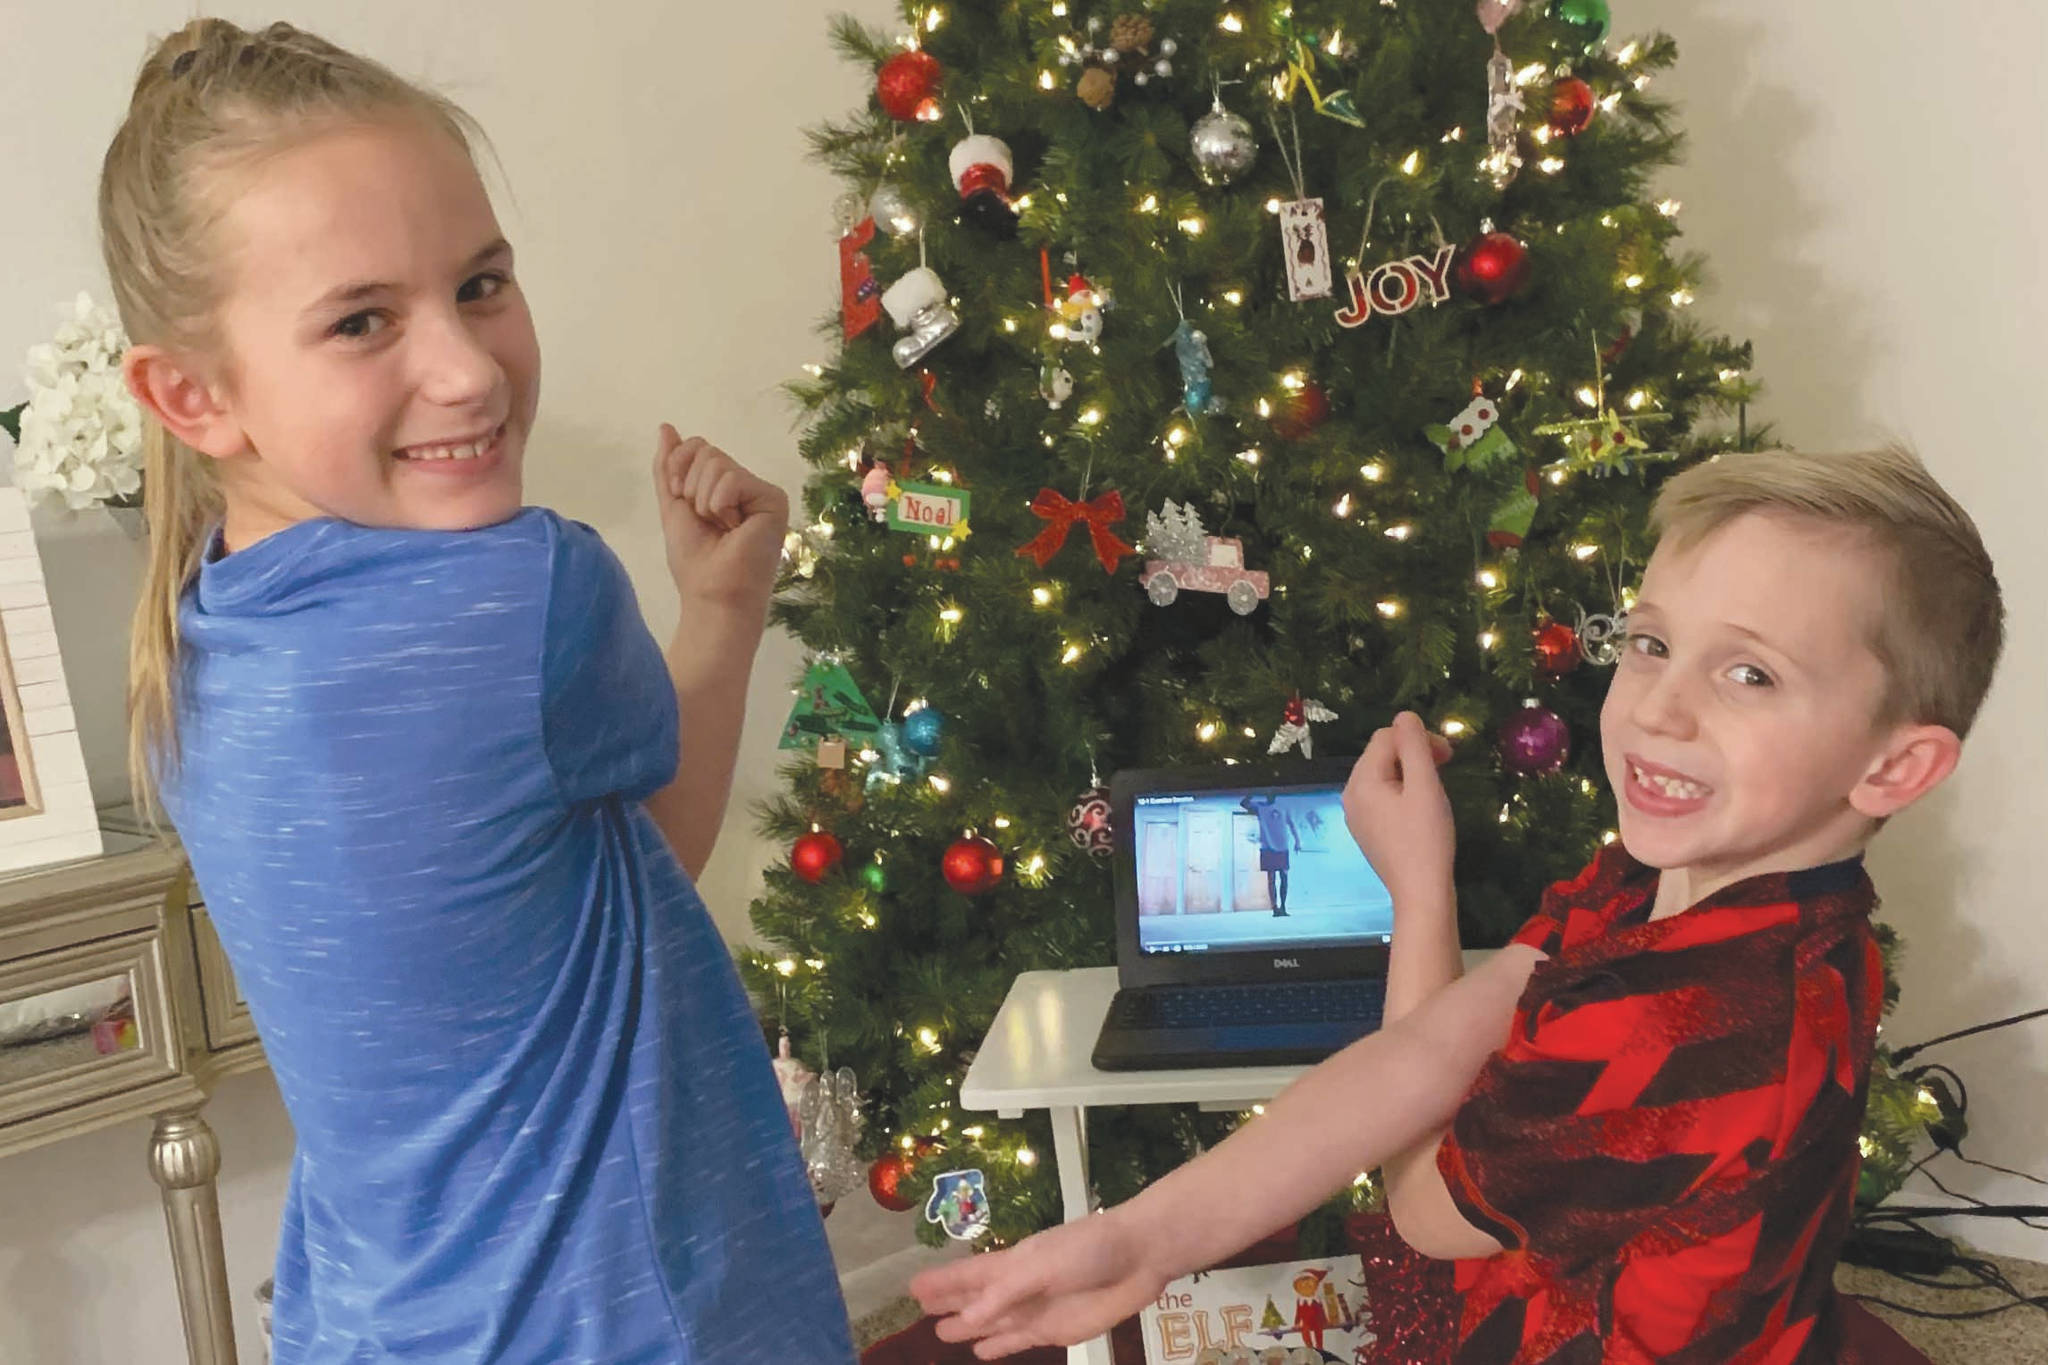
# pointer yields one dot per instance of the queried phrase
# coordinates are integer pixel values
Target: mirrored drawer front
(82, 1023)
(228, 1023)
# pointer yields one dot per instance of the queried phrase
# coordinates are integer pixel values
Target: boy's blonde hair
(211, 102)
(1940, 620)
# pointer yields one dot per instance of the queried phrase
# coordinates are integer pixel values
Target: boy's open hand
(1396, 809)
(1061, 1286)
(722, 525)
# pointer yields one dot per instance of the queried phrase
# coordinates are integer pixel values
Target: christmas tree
(1363, 319)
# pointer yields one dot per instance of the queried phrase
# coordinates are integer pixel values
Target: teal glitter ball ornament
(922, 730)
(1587, 14)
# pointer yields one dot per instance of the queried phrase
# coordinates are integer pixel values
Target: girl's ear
(190, 408)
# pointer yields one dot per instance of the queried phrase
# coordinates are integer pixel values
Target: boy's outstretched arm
(1382, 1094)
(1397, 811)
(723, 529)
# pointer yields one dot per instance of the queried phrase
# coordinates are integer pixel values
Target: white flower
(81, 434)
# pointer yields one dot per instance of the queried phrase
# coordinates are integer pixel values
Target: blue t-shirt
(536, 1121)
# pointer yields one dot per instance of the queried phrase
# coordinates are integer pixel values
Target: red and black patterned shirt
(1667, 1145)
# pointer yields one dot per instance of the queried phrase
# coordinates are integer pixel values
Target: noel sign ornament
(1397, 287)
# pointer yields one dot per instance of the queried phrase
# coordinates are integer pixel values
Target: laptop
(1250, 929)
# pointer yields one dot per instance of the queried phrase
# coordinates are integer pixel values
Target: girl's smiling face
(379, 362)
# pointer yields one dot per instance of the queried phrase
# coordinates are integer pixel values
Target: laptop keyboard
(1297, 1002)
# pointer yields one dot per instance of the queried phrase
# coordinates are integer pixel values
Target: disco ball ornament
(922, 730)
(1088, 823)
(893, 212)
(1222, 146)
(1534, 741)
(972, 865)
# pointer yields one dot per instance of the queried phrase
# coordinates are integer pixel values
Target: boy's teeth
(1672, 786)
(467, 451)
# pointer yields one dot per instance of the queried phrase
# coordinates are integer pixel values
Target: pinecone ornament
(1097, 88)
(1131, 33)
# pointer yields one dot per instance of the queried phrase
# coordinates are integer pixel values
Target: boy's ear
(1915, 761)
(189, 407)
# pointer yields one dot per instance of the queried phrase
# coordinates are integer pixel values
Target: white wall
(1865, 179)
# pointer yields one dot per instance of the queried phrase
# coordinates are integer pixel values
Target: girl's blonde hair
(212, 101)
(1941, 619)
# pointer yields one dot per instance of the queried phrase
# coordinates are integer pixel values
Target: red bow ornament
(1061, 512)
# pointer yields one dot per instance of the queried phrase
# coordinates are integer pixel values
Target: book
(1305, 1312)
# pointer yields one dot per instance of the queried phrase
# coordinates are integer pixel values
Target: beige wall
(1865, 179)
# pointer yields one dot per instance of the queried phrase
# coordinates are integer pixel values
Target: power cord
(1892, 1239)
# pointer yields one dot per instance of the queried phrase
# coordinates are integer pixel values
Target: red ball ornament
(892, 1181)
(907, 86)
(1294, 713)
(1534, 740)
(1557, 649)
(1572, 104)
(972, 865)
(1493, 268)
(814, 855)
(1301, 412)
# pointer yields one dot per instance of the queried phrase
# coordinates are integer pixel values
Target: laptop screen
(1253, 869)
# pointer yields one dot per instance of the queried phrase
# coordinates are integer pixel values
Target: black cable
(1905, 1053)
(2002, 1170)
(2037, 1301)
(1912, 1213)
(1973, 1199)
(1988, 1276)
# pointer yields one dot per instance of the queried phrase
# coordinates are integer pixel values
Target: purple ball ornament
(1533, 741)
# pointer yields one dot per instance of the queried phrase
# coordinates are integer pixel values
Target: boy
(1660, 1162)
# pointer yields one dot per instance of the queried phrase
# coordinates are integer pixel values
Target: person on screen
(1276, 827)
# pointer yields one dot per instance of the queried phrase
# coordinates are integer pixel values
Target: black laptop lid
(1201, 855)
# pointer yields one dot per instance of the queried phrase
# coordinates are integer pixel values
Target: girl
(423, 752)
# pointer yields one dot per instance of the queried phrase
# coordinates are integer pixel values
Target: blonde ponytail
(180, 503)
(210, 99)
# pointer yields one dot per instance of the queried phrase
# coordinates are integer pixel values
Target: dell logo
(1286, 962)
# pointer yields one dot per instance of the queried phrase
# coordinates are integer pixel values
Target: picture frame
(46, 805)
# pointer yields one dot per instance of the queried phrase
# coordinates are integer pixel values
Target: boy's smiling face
(1742, 730)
